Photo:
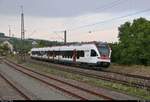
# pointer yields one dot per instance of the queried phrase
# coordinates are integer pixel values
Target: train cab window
(93, 53)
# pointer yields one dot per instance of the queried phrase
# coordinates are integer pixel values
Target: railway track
(141, 82)
(107, 71)
(73, 90)
(15, 87)
(129, 75)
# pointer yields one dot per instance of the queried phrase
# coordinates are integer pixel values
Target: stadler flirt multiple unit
(94, 54)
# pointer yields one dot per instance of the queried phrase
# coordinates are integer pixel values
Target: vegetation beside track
(95, 82)
(134, 43)
(131, 69)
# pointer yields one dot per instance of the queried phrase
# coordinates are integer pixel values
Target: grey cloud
(67, 8)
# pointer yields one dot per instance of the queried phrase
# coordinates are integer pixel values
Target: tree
(42, 43)
(4, 49)
(134, 43)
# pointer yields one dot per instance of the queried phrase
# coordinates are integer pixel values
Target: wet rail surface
(136, 80)
(76, 91)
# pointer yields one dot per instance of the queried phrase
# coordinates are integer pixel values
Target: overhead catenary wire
(110, 5)
(112, 19)
(103, 7)
(114, 3)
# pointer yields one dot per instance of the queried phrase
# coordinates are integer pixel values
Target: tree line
(134, 43)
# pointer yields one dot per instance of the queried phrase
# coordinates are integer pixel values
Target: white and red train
(94, 54)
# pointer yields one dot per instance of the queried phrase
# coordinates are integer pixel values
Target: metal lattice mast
(22, 36)
(22, 24)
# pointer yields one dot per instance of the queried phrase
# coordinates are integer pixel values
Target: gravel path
(7, 92)
(37, 88)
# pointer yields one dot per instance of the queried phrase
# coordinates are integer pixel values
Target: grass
(141, 93)
(132, 69)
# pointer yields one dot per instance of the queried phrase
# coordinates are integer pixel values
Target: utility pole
(22, 52)
(9, 31)
(22, 24)
(65, 37)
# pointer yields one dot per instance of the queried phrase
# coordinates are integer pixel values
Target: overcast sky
(83, 19)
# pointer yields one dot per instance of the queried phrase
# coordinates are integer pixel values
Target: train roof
(87, 44)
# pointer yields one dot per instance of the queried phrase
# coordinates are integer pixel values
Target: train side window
(82, 53)
(54, 53)
(45, 52)
(71, 54)
(57, 53)
(78, 54)
(50, 53)
(93, 53)
(35, 53)
(42, 53)
(38, 52)
(63, 53)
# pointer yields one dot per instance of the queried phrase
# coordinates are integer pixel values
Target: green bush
(134, 43)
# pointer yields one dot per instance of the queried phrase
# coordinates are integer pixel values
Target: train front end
(105, 54)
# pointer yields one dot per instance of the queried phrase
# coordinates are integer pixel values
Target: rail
(80, 71)
(52, 78)
(15, 87)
